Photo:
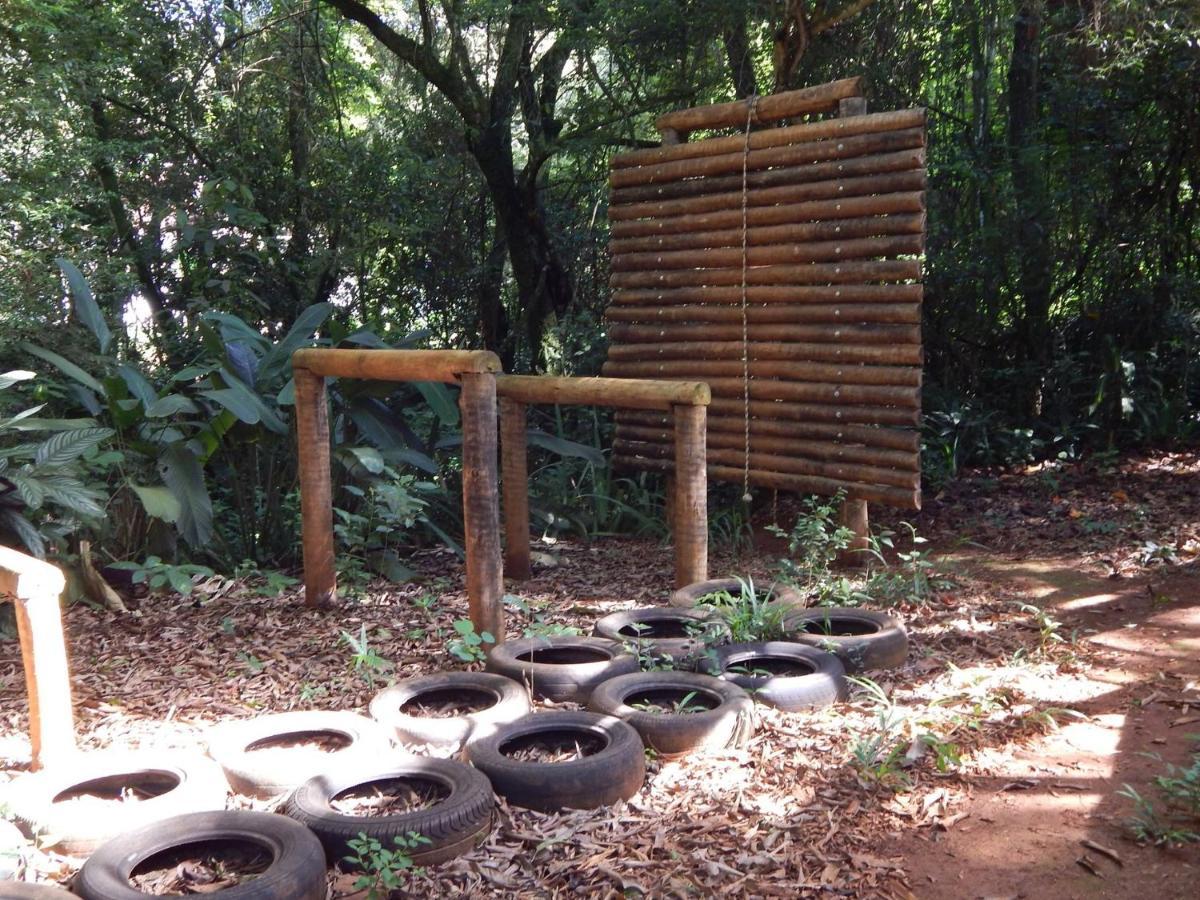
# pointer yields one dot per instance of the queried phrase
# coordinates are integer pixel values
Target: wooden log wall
(828, 218)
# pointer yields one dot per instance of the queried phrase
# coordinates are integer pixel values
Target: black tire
(665, 631)
(560, 668)
(24, 890)
(777, 594)
(176, 782)
(821, 683)
(729, 722)
(296, 872)
(615, 772)
(453, 825)
(507, 700)
(863, 639)
(269, 775)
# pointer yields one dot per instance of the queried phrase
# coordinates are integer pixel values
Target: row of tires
(624, 718)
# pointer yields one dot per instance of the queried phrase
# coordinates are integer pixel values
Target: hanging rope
(751, 109)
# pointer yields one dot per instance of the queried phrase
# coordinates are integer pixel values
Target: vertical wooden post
(481, 503)
(514, 482)
(853, 515)
(35, 587)
(691, 495)
(316, 494)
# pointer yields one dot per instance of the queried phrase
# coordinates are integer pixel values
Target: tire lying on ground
(458, 819)
(255, 768)
(24, 890)
(665, 631)
(564, 667)
(863, 639)
(489, 699)
(613, 767)
(782, 674)
(80, 803)
(296, 870)
(776, 593)
(722, 713)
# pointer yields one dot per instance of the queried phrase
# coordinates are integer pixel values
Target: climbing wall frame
(781, 265)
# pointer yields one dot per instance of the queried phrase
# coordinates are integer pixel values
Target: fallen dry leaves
(786, 816)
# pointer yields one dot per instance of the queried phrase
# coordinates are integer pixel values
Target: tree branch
(833, 19)
(419, 56)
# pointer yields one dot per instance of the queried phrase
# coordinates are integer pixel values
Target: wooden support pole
(481, 503)
(316, 494)
(691, 496)
(853, 515)
(34, 587)
(514, 482)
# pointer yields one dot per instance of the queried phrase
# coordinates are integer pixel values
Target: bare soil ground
(1047, 721)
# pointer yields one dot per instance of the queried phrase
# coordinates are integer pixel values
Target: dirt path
(1022, 832)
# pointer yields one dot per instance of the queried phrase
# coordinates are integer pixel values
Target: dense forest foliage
(191, 189)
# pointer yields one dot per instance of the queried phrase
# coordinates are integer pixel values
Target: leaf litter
(787, 815)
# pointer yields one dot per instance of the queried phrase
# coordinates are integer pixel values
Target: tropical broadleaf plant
(41, 476)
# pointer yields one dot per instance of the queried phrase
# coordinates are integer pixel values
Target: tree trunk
(1031, 239)
(543, 283)
(737, 52)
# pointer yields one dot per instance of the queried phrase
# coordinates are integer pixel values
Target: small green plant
(364, 660)
(648, 660)
(1048, 627)
(946, 755)
(384, 869)
(683, 706)
(470, 646)
(156, 574)
(749, 614)
(916, 576)
(426, 601)
(814, 542)
(1177, 820)
(535, 620)
(878, 756)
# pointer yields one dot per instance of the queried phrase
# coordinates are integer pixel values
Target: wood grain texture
(316, 493)
(481, 503)
(690, 512)
(514, 483)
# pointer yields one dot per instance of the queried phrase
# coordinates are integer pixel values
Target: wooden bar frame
(475, 371)
(34, 587)
(687, 498)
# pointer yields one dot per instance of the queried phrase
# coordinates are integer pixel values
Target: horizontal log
(792, 233)
(774, 137)
(891, 438)
(701, 213)
(891, 161)
(621, 332)
(812, 450)
(819, 98)
(834, 314)
(853, 272)
(785, 481)
(755, 162)
(811, 392)
(899, 355)
(773, 462)
(730, 403)
(771, 294)
(395, 365)
(772, 255)
(791, 370)
(621, 392)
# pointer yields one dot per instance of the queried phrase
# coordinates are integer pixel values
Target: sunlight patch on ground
(1086, 602)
